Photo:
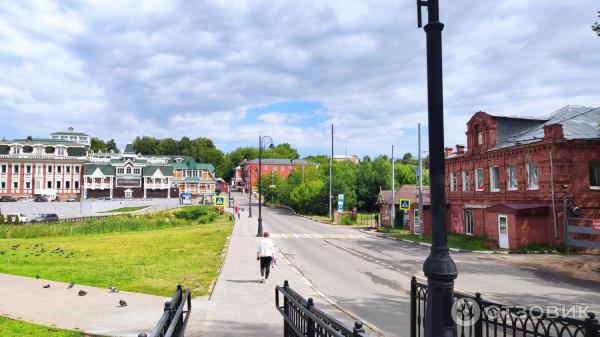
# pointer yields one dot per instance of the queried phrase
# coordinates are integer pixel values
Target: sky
(234, 70)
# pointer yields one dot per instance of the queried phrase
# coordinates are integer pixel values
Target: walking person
(265, 253)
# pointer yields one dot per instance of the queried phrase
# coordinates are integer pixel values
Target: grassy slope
(151, 261)
(13, 328)
(467, 242)
(126, 209)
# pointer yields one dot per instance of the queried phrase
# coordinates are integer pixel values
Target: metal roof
(282, 161)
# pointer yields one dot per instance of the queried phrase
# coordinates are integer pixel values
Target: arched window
(128, 170)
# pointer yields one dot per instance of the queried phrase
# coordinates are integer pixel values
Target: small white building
(72, 136)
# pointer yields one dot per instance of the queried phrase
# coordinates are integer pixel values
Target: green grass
(126, 209)
(142, 254)
(467, 242)
(322, 218)
(12, 328)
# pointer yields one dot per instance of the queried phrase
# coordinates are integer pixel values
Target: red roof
(534, 208)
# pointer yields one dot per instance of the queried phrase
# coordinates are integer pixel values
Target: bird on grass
(46, 286)
(71, 285)
(122, 303)
(113, 290)
(82, 293)
(37, 276)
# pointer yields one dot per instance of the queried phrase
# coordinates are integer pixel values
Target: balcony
(95, 186)
(156, 186)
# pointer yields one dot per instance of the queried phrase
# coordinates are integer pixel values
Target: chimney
(553, 132)
(447, 152)
(460, 149)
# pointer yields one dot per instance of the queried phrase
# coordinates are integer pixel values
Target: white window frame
(16, 185)
(417, 221)
(494, 179)
(3, 185)
(452, 181)
(49, 184)
(67, 185)
(16, 168)
(479, 188)
(137, 171)
(590, 164)
(4, 168)
(48, 168)
(120, 170)
(466, 182)
(505, 217)
(76, 185)
(28, 183)
(28, 168)
(468, 224)
(509, 185)
(77, 169)
(531, 186)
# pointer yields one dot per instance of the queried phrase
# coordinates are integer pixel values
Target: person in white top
(265, 253)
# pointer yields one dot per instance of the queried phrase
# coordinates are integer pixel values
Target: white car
(11, 216)
(26, 199)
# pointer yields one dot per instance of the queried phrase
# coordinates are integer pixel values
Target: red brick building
(509, 184)
(248, 170)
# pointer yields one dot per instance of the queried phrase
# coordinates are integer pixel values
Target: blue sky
(231, 70)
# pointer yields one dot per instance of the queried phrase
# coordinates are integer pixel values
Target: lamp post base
(260, 228)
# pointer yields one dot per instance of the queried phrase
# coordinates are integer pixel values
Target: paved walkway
(240, 305)
(98, 312)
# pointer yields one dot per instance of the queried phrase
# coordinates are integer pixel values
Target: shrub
(347, 220)
(200, 213)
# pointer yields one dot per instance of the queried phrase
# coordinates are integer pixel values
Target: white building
(71, 136)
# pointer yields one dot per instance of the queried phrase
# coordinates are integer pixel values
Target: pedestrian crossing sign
(404, 204)
(220, 201)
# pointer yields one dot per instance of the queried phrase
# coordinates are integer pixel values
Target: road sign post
(404, 204)
(340, 203)
(219, 202)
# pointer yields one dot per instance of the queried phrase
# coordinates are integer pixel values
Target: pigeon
(122, 303)
(46, 286)
(82, 293)
(113, 290)
(71, 285)
(37, 276)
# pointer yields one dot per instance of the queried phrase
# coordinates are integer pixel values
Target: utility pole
(439, 267)
(330, 176)
(393, 213)
(420, 187)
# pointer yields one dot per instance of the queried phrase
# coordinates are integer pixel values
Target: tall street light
(263, 141)
(439, 266)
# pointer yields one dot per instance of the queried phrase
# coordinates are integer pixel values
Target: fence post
(180, 303)
(479, 320)
(143, 334)
(286, 310)
(358, 329)
(565, 222)
(413, 307)
(310, 324)
(591, 325)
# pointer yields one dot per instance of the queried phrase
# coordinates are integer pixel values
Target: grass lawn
(148, 254)
(126, 209)
(467, 242)
(322, 218)
(13, 328)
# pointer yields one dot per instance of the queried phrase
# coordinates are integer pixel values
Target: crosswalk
(316, 236)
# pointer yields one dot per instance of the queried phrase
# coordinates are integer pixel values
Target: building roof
(410, 192)
(107, 170)
(271, 161)
(533, 208)
(578, 122)
(72, 133)
(42, 141)
(129, 149)
(149, 171)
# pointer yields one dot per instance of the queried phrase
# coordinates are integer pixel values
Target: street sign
(417, 171)
(272, 186)
(220, 201)
(596, 224)
(340, 206)
(404, 204)
(340, 198)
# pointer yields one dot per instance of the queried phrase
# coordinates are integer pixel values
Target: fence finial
(143, 334)
(358, 328)
(286, 284)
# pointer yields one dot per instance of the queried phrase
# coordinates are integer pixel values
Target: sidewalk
(98, 312)
(240, 305)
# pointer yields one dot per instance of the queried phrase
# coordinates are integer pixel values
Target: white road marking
(316, 236)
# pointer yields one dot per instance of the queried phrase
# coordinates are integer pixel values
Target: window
(39, 150)
(38, 184)
(28, 185)
(60, 151)
(265, 168)
(494, 179)
(76, 169)
(3, 185)
(49, 168)
(512, 178)
(28, 169)
(128, 170)
(479, 179)
(15, 168)
(58, 184)
(137, 171)
(480, 138)
(77, 185)
(38, 169)
(3, 168)
(469, 221)
(282, 168)
(595, 174)
(120, 170)
(15, 185)
(453, 181)
(67, 185)
(417, 224)
(532, 176)
(49, 184)
(58, 169)
(67, 169)
(466, 181)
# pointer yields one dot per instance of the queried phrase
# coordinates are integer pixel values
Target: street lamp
(250, 190)
(263, 141)
(439, 266)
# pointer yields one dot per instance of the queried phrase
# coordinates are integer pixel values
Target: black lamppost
(263, 141)
(439, 266)
(250, 190)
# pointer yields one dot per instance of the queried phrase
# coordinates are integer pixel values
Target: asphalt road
(370, 276)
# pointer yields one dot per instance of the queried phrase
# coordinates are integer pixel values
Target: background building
(509, 184)
(195, 178)
(50, 167)
(248, 170)
(71, 136)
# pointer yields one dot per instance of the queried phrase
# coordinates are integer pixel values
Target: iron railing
(174, 319)
(477, 317)
(302, 319)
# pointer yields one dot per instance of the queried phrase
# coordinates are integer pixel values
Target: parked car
(26, 199)
(50, 217)
(40, 198)
(71, 199)
(10, 217)
(104, 199)
(7, 198)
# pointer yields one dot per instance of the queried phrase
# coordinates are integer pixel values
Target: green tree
(111, 145)
(408, 158)
(282, 151)
(169, 147)
(146, 145)
(97, 145)
(596, 26)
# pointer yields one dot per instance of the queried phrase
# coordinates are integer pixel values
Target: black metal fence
(478, 317)
(584, 233)
(174, 319)
(301, 318)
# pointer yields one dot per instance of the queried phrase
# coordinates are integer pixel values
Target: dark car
(40, 198)
(7, 198)
(50, 217)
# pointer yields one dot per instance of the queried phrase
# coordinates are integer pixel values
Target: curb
(223, 257)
